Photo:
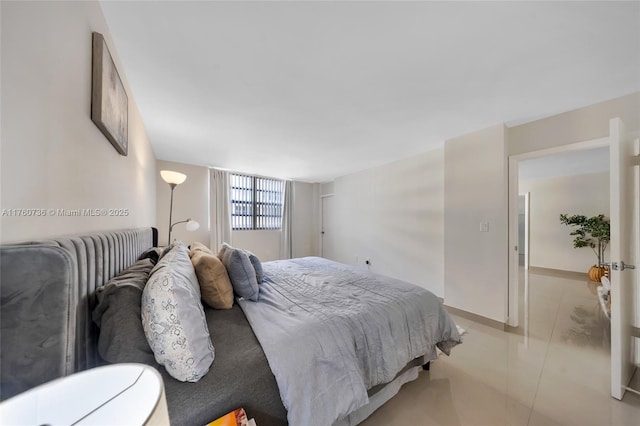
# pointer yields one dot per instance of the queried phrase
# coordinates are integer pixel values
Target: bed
(48, 293)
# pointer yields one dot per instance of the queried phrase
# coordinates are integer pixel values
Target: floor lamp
(174, 179)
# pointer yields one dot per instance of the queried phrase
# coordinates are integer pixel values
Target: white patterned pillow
(173, 318)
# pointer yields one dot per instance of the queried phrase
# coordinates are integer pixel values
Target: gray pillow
(173, 317)
(255, 261)
(117, 313)
(257, 266)
(241, 272)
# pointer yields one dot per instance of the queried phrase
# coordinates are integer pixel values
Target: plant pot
(596, 272)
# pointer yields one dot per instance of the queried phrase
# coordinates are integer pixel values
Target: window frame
(257, 183)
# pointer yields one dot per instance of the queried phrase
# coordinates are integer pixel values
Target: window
(256, 202)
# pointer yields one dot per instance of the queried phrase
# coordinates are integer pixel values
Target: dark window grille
(256, 202)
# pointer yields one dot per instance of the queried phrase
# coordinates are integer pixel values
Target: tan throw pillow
(215, 286)
(196, 246)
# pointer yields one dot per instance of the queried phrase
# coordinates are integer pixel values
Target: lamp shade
(173, 177)
(192, 225)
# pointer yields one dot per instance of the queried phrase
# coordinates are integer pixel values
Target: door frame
(514, 184)
(527, 229)
(525, 252)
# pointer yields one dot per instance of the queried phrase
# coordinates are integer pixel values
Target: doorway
(327, 249)
(515, 190)
(624, 201)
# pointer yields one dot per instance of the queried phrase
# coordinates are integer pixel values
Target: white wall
(190, 201)
(475, 191)
(52, 155)
(550, 244)
(393, 215)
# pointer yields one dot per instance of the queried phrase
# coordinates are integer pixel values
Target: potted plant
(593, 232)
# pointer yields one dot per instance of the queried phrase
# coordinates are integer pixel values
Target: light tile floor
(552, 370)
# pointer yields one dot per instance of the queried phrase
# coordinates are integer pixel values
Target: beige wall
(190, 201)
(476, 266)
(583, 124)
(471, 269)
(52, 155)
(327, 188)
(475, 191)
(393, 215)
(305, 220)
(580, 125)
(550, 244)
(266, 243)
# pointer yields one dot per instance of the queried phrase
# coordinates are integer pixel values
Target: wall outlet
(484, 226)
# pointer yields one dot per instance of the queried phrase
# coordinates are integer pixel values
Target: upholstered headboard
(46, 298)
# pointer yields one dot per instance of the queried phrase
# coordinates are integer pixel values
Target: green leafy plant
(593, 232)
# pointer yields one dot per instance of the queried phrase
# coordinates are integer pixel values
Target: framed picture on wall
(109, 102)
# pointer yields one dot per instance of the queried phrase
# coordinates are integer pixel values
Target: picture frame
(109, 101)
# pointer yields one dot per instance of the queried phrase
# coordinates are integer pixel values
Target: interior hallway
(552, 370)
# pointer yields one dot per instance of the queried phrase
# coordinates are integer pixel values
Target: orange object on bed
(235, 418)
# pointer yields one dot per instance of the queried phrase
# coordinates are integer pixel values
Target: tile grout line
(546, 354)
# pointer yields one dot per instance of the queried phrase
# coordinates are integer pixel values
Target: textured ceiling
(315, 90)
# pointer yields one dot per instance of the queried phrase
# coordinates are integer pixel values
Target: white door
(623, 237)
(328, 228)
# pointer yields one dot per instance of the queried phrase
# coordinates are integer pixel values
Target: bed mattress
(332, 331)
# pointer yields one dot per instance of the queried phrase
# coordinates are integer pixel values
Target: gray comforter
(331, 331)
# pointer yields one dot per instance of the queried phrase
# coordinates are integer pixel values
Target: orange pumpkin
(596, 272)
